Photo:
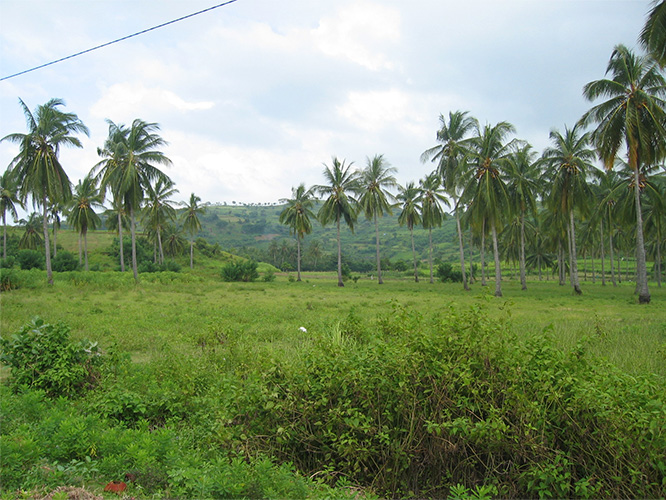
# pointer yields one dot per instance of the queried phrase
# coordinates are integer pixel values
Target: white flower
(303, 329)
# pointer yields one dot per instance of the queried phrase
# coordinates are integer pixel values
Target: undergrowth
(451, 405)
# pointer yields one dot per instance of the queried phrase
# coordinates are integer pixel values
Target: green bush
(9, 279)
(446, 274)
(269, 276)
(31, 259)
(245, 270)
(8, 262)
(42, 356)
(64, 261)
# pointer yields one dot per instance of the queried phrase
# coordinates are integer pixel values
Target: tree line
(492, 182)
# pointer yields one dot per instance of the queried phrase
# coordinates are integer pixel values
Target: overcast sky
(256, 96)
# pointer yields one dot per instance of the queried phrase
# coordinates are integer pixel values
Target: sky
(257, 96)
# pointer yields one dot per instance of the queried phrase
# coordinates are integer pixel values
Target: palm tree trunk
(55, 240)
(80, 249)
(120, 237)
(523, 279)
(498, 270)
(612, 257)
(159, 244)
(133, 233)
(592, 259)
(483, 253)
(47, 244)
(85, 247)
(641, 265)
(340, 283)
(462, 253)
(298, 256)
(560, 263)
(416, 270)
(573, 271)
(471, 256)
(191, 254)
(379, 266)
(430, 253)
(603, 256)
(4, 235)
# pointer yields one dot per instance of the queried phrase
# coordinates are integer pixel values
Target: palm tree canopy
(9, 197)
(374, 179)
(298, 212)
(653, 34)
(191, 213)
(454, 139)
(159, 210)
(36, 166)
(340, 202)
(431, 199)
(82, 214)
(634, 112)
(568, 164)
(408, 196)
(522, 173)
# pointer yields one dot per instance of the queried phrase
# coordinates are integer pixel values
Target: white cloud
(126, 101)
(362, 33)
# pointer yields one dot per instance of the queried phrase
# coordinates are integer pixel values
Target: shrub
(446, 273)
(29, 259)
(8, 262)
(9, 280)
(64, 261)
(240, 271)
(269, 276)
(42, 356)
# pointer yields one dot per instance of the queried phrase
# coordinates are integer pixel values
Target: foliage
(65, 261)
(9, 279)
(42, 356)
(446, 273)
(30, 259)
(8, 262)
(245, 270)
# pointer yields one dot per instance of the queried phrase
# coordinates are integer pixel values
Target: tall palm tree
(486, 191)
(9, 199)
(297, 215)
(431, 199)
(130, 166)
(569, 164)
(38, 169)
(82, 214)
(374, 198)
(632, 116)
(342, 184)
(653, 34)
(454, 141)
(522, 173)
(410, 216)
(191, 222)
(158, 210)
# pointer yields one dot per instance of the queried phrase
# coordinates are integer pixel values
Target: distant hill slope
(234, 227)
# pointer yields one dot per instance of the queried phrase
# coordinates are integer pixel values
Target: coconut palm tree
(568, 165)
(410, 215)
(37, 166)
(297, 215)
(131, 155)
(191, 222)
(31, 239)
(633, 115)
(174, 243)
(454, 141)
(158, 210)
(315, 252)
(431, 199)
(653, 34)
(82, 214)
(9, 199)
(485, 191)
(522, 173)
(374, 199)
(340, 203)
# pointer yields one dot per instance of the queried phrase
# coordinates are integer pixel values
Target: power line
(118, 40)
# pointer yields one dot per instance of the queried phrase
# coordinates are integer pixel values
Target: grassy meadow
(285, 389)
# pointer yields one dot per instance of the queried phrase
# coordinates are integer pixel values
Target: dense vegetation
(211, 389)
